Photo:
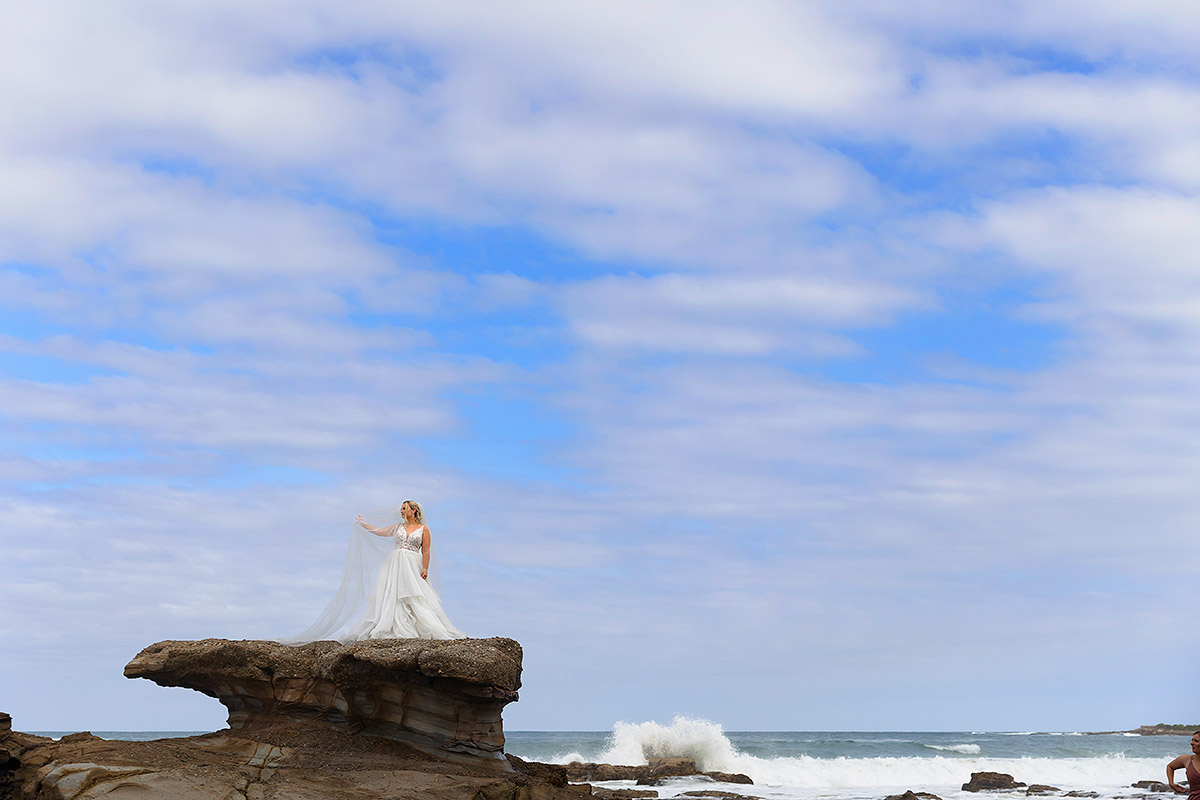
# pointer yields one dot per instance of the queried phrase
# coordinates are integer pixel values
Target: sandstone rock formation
(397, 719)
(442, 697)
(271, 762)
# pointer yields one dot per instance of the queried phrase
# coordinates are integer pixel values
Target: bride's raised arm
(388, 531)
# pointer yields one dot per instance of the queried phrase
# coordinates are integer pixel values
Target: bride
(401, 603)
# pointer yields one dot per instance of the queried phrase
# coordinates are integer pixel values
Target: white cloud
(731, 315)
(227, 353)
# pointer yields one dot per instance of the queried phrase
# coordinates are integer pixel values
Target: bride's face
(406, 513)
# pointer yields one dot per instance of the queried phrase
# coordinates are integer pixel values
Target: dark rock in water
(663, 780)
(651, 774)
(622, 794)
(707, 794)
(443, 697)
(1151, 786)
(730, 777)
(1078, 793)
(989, 781)
(589, 772)
(664, 767)
(911, 795)
(1037, 789)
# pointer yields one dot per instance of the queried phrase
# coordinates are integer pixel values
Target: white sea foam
(706, 742)
(965, 749)
(940, 771)
(685, 737)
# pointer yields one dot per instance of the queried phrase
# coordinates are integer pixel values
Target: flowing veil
(365, 555)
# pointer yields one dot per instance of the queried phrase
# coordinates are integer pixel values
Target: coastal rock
(303, 762)
(663, 780)
(1079, 793)
(664, 767)
(990, 781)
(622, 794)
(729, 777)
(705, 794)
(1151, 786)
(1040, 789)
(589, 772)
(443, 697)
(650, 774)
(911, 795)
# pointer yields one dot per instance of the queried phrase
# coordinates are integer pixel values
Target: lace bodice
(412, 542)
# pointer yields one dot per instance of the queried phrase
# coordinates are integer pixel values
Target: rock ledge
(441, 697)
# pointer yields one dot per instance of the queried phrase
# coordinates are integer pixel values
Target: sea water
(854, 765)
(859, 765)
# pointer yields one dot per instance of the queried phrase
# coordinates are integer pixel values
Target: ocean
(850, 765)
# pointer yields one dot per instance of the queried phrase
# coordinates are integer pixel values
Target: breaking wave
(965, 749)
(707, 744)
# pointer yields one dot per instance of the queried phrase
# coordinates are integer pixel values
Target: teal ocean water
(850, 765)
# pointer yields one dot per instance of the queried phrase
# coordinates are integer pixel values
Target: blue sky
(795, 366)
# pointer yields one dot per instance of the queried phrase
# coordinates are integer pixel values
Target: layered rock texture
(393, 719)
(268, 763)
(441, 697)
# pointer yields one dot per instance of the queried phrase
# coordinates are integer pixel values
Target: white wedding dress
(402, 604)
(382, 594)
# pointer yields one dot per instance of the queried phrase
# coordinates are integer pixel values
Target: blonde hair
(418, 512)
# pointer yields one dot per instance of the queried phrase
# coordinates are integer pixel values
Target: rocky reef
(653, 773)
(397, 719)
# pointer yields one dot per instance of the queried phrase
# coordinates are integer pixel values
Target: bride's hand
(359, 520)
(425, 574)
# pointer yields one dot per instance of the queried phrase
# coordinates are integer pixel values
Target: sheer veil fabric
(366, 557)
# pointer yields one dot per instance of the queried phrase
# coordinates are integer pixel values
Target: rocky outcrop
(1151, 786)
(393, 719)
(649, 774)
(302, 762)
(622, 794)
(911, 795)
(441, 697)
(990, 781)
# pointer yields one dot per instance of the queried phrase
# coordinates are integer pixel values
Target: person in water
(1191, 764)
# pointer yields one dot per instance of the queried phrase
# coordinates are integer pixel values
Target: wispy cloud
(848, 336)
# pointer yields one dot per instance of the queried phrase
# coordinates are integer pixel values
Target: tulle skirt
(403, 605)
